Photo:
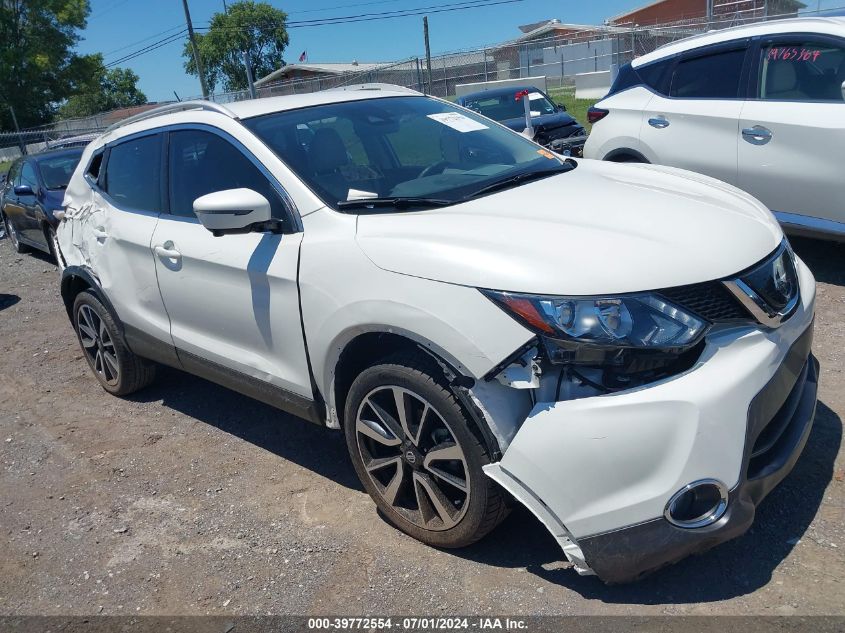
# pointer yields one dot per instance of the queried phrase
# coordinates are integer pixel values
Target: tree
(105, 89)
(254, 27)
(38, 67)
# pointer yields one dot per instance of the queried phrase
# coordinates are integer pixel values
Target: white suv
(761, 107)
(625, 351)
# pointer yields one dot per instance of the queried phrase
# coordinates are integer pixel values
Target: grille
(709, 300)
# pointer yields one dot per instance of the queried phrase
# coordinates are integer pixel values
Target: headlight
(635, 321)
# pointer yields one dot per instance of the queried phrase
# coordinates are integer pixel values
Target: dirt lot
(190, 499)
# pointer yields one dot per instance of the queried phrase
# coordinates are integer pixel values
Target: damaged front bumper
(600, 471)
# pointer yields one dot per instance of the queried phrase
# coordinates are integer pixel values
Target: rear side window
(714, 76)
(654, 75)
(202, 162)
(133, 174)
(802, 71)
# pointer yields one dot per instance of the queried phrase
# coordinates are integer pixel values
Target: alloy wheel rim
(98, 345)
(413, 458)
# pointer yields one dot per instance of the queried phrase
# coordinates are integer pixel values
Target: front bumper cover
(786, 407)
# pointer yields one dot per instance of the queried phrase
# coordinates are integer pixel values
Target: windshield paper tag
(458, 121)
(356, 194)
(533, 96)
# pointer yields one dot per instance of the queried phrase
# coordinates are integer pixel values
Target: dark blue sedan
(553, 126)
(34, 189)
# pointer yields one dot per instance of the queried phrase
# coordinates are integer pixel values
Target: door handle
(659, 122)
(167, 251)
(757, 135)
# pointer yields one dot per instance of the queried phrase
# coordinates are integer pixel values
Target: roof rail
(374, 87)
(170, 108)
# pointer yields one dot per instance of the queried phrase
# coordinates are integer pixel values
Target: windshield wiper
(518, 179)
(394, 203)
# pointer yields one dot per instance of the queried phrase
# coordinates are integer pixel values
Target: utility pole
(18, 130)
(196, 50)
(249, 78)
(427, 52)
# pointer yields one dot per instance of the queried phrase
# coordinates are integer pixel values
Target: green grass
(4, 166)
(576, 107)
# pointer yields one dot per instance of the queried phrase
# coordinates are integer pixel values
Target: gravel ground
(190, 499)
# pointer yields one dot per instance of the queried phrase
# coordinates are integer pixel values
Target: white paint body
(797, 173)
(253, 303)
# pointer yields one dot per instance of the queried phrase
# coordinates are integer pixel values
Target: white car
(761, 107)
(625, 351)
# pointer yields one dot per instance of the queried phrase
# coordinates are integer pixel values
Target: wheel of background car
(119, 371)
(12, 232)
(55, 249)
(413, 450)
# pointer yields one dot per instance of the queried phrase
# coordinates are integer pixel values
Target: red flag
(304, 56)
(518, 96)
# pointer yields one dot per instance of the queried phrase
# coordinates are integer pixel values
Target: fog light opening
(697, 504)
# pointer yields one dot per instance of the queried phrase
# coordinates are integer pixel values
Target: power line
(146, 39)
(386, 15)
(347, 19)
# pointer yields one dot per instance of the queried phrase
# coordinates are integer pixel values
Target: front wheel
(413, 450)
(14, 238)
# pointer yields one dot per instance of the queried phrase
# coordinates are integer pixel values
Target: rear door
(11, 209)
(695, 124)
(233, 301)
(116, 234)
(792, 147)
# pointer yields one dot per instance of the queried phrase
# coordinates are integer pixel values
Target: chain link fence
(559, 56)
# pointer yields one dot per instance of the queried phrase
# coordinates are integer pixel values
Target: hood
(601, 228)
(558, 119)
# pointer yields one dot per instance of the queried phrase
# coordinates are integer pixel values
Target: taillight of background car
(594, 115)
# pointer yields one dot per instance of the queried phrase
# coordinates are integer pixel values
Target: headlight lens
(638, 320)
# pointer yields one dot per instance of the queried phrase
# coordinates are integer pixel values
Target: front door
(695, 127)
(233, 300)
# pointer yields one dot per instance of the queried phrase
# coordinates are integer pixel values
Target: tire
(55, 249)
(118, 370)
(12, 232)
(469, 504)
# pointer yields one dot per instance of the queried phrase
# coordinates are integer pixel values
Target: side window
(28, 176)
(805, 71)
(93, 171)
(14, 175)
(714, 76)
(133, 173)
(202, 162)
(656, 75)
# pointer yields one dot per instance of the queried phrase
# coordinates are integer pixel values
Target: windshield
(398, 147)
(505, 106)
(57, 170)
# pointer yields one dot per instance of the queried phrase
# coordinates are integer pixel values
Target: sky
(118, 27)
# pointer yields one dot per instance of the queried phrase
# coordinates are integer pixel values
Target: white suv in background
(760, 107)
(625, 351)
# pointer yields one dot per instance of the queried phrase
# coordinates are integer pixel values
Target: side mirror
(561, 108)
(24, 190)
(235, 211)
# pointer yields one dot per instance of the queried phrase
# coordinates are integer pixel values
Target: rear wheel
(415, 454)
(14, 238)
(119, 371)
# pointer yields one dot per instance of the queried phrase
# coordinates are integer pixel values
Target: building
(667, 11)
(291, 72)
